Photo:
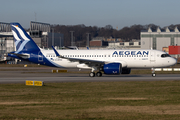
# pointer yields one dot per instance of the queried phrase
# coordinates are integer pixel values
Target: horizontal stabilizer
(24, 56)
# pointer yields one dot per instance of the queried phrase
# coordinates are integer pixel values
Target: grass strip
(92, 100)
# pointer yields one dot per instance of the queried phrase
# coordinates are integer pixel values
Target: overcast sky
(99, 13)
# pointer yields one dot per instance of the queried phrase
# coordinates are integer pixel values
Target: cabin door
(152, 57)
(40, 57)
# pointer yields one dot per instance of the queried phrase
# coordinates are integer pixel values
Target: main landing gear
(153, 72)
(98, 74)
(92, 74)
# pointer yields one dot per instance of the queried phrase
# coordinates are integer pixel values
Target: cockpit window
(165, 55)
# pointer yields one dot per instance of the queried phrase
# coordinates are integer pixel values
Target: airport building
(98, 42)
(160, 39)
(114, 43)
(42, 33)
(134, 44)
(6, 40)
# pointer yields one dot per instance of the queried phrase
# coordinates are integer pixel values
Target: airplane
(112, 62)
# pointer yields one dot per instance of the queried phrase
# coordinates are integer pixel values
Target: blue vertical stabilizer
(23, 41)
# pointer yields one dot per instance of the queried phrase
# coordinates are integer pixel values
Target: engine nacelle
(126, 70)
(112, 68)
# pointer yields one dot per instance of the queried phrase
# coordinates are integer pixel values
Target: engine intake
(112, 68)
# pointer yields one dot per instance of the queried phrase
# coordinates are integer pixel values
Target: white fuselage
(128, 58)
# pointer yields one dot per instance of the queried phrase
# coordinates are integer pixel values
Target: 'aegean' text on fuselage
(130, 52)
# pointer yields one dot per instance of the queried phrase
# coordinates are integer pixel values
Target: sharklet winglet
(56, 52)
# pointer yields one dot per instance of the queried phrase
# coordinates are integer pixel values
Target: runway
(88, 79)
(20, 75)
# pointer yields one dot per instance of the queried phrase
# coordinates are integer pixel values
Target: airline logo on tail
(22, 40)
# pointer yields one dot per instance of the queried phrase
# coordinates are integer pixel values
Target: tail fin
(23, 41)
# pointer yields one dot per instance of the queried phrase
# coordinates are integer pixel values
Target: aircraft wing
(85, 61)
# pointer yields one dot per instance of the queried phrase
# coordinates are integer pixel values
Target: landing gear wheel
(153, 74)
(99, 74)
(92, 74)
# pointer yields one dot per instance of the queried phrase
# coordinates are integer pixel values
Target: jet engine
(112, 68)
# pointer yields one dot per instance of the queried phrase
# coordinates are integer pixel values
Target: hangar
(160, 39)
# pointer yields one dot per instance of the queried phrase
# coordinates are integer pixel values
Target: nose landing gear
(153, 72)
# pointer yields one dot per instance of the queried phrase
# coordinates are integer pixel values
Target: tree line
(80, 32)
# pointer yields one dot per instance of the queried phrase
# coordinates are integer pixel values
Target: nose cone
(173, 61)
